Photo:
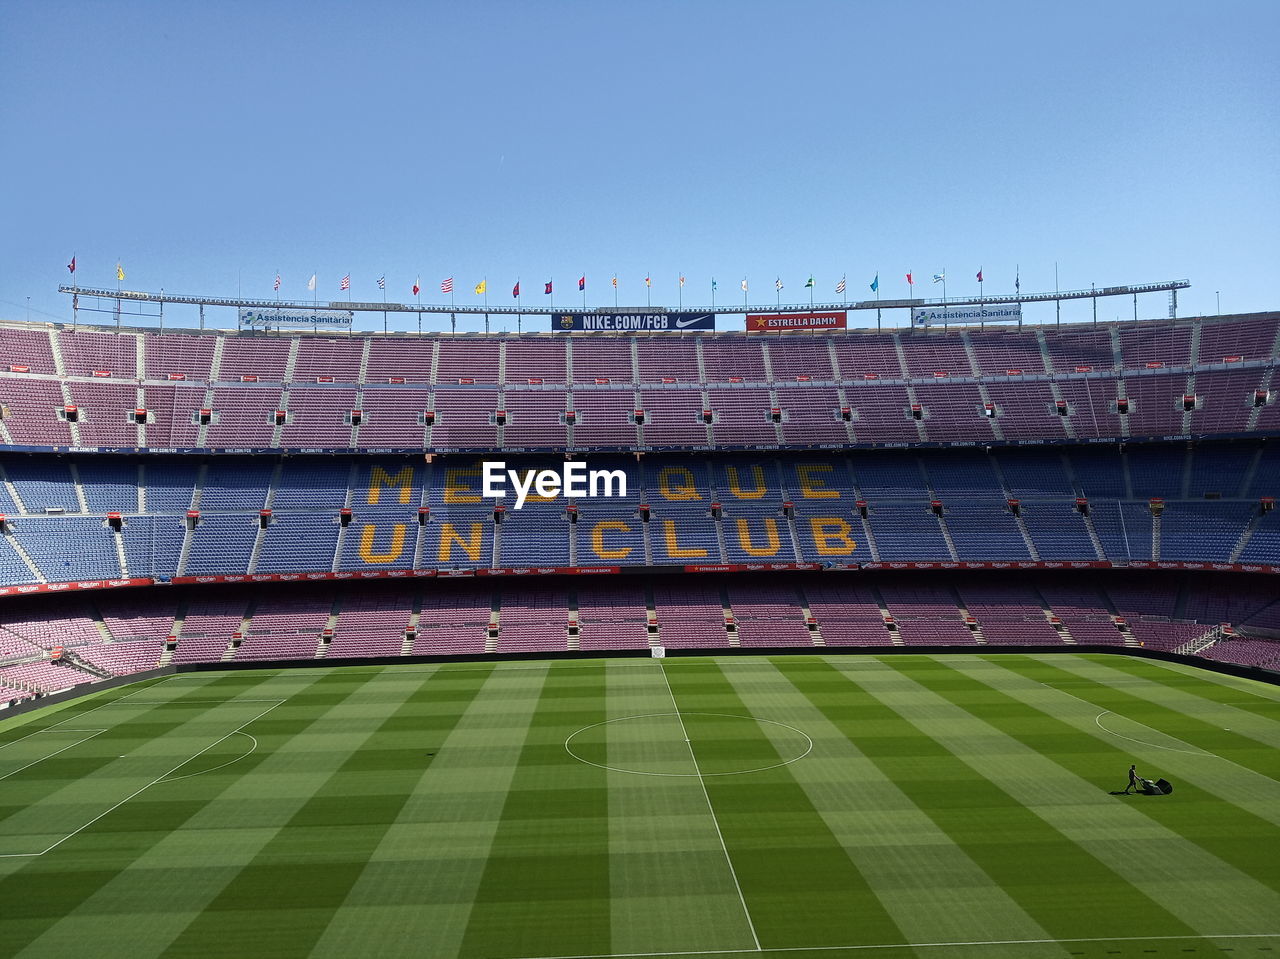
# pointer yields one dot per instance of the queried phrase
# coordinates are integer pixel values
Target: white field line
(711, 809)
(92, 733)
(917, 945)
(138, 792)
(235, 732)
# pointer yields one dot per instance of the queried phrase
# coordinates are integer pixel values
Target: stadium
(828, 542)
(521, 481)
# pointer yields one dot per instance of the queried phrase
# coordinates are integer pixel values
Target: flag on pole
(875, 284)
(546, 287)
(840, 285)
(311, 283)
(1017, 282)
(582, 283)
(809, 285)
(346, 282)
(713, 284)
(119, 272)
(939, 277)
(777, 284)
(515, 291)
(276, 285)
(72, 265)
(647, 280)
(682, 282)
(744, 284)
(481, 287)
(615, 281)
(446, 285)
(979, 274)
(417, 285)
(910, 282)
(382, 282)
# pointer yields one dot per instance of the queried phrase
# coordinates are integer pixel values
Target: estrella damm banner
(828, 320)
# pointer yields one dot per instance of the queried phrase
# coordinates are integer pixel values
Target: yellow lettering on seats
(378, 478)
(770, 532)
(391, 555)
(677, 483)
(831, 535)
(757, 478)
(674, 549)
(449, 537)
(597, 539)
(456, 490)
(812, 486)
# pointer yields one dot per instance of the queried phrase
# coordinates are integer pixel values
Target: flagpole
(615, 291)
(1057, 304)
(383, 284)
(584, 293)
(680, 294)
(877, 300)
(713, 293)
(648, 290)
(1017, 289)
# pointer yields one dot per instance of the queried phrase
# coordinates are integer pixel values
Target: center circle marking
(568, 746)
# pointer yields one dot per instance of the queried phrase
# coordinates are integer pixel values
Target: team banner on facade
(263, 319)
(632, 322)
(932, 315)
(833, 320)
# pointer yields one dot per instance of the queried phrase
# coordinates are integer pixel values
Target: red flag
(515, 290)
(910, 282)
(548, 289)
(582, 283)
(346, 282)
(416, 287)
(72, 265)
(979, 274)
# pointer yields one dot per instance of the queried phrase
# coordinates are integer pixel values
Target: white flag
(744, 285)
(311, 283)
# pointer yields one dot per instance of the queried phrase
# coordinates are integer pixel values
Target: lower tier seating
(48, 645)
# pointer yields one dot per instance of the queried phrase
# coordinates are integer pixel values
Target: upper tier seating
(304, 391)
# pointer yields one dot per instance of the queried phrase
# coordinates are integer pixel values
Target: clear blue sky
(207, 145)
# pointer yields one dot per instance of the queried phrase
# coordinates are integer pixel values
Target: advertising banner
(832, 320)
(275, 319)
(965, 315)
(632, 322)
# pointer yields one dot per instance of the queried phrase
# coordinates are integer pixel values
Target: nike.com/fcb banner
(632, 322)
(834, 320)
(280, 318)
(932, 315)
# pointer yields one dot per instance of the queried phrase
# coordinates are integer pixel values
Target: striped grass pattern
(804, 806)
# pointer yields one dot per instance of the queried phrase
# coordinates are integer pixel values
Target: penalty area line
(138, 792)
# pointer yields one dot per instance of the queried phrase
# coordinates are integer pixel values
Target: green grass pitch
(958, 807)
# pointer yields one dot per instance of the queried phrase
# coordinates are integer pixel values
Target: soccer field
(950, 806)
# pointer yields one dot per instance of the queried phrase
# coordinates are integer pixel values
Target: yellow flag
(480, 287)
(119, 272)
